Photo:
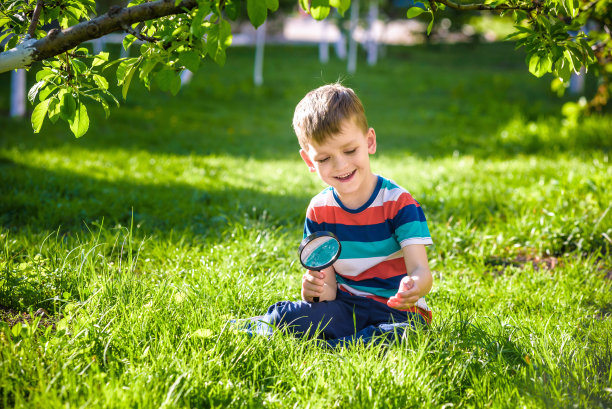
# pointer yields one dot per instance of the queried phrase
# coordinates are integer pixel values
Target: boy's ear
(371, 137)
(306, 159)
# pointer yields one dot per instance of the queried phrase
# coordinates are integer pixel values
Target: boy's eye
(323, 160)
(351, 151)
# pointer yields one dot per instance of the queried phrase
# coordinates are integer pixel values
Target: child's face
(343, 161)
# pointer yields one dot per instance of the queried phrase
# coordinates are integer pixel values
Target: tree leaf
(190, 60)
(79, 124)
(128, 80)
(272, 5)
(414, 11)
(175, 84)
(67, 106)
(100, 81)
(38, 115)
(34, 90)
(319, 9)
(430, 25)
(257, 11)
(341, 5)
(305, 5)
(164, 79)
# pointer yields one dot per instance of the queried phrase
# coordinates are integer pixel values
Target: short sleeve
(409, 223)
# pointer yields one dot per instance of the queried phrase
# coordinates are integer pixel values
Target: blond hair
(320, 114)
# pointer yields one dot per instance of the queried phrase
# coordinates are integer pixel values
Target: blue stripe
(381, 292)
(409, 213)
(412, 230)
(389, 283)
(356, 249)
(367, 233)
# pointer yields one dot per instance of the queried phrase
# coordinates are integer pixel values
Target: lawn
(124, 253)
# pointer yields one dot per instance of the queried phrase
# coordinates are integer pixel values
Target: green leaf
(175, 84)
(16, 330)
(164, 79)
(100, 81)
(34, 90)
(539, 64)
(38, 116)
(319, 9)
(100, 59)
(46, 91)
(44, 73)
(190, 60)
(430, 26)
(54, 109)
(257, 11)
(305, 5)
(67, 106)
(341, 5)
(414, 11)
(128, 40)
(79, 125)
(128, 80)
(124, 69)
(272, 5)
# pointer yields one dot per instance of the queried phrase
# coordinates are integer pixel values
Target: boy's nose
(339, 162)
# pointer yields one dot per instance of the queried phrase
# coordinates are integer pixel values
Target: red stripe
(371, 215)
(427, 315)
(384, 269)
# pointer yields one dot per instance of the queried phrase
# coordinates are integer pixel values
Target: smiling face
(343, 162)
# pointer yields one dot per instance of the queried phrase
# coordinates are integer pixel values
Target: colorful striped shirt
(371, 263)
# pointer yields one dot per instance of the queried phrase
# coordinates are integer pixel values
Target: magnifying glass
(319, 251)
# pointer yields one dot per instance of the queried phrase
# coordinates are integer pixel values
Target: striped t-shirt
(371, 263)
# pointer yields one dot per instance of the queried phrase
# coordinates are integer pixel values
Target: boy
(382, 273)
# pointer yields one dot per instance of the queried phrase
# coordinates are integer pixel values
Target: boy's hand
(407, 295)
(312, 284)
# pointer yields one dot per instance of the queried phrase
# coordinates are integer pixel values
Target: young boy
(382, 274)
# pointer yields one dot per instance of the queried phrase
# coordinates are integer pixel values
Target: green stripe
(357, 249)
(411, 230)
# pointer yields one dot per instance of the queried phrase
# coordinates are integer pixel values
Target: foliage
(561, 37)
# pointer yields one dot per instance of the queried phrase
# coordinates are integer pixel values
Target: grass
(140, 240)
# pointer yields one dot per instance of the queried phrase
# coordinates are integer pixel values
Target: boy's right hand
(312, 284)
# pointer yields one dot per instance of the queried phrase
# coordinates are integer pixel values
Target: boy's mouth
(347, 176)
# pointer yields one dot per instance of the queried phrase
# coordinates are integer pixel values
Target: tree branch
(138, 34)
(479, 6)
(35, 18)
(60, 41)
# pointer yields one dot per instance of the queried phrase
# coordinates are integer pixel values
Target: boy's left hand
(407, 295)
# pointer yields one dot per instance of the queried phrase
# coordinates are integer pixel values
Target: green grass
(141, 239)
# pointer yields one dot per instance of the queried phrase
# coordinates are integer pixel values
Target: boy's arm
(418, 281)
(320, 284)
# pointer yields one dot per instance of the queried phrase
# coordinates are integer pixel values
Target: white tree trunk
(259, 55)
(324, 43)
(372, 41)
(18, 93)
(352, 51)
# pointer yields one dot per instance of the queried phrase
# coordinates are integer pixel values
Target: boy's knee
(286, 313)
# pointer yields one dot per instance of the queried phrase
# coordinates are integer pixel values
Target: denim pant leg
(333, 318)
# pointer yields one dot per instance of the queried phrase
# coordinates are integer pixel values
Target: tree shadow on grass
(477, 101)
(40, 200)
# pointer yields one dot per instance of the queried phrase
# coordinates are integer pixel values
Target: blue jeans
(343, 320)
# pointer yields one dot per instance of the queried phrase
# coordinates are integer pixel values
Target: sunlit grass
(143, 238)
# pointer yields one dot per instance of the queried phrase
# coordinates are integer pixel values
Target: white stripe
(352, 267)
(421, 303)
(416, 240)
